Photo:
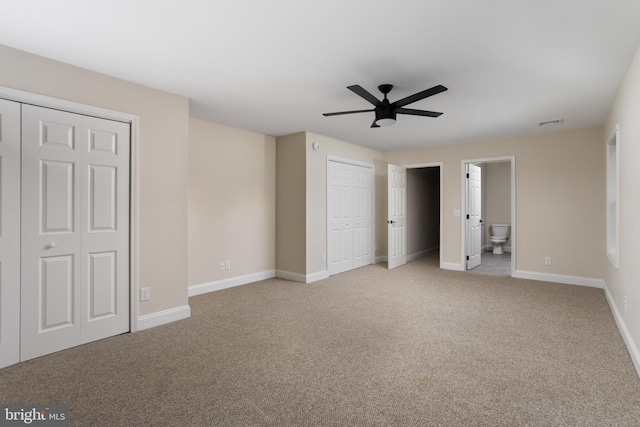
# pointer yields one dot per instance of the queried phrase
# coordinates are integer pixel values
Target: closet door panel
(51, 233)
(105, 237)
(75, 230)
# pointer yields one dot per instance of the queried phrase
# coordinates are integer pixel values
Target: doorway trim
(103, 113)
(463, 206)
(440, 166)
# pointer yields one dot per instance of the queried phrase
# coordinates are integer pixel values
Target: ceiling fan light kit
(385, 111)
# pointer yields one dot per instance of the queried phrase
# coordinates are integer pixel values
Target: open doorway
(490, 245)
(424, 212)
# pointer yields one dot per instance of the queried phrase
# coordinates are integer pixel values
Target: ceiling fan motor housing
(384, 110)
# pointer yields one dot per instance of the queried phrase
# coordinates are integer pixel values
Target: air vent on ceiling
(551, 122)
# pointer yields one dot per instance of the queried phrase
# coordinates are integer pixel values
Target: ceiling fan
(386, 111)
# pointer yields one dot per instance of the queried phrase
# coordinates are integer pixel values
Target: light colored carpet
(415, 346)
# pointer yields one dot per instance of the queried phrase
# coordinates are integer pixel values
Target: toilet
(499, 236)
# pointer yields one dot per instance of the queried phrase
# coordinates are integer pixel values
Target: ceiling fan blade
(413, 112)
(360, 91)
(338, 113)
(374, 125)
(420, 95)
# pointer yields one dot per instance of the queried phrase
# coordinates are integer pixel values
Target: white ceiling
(275, 66)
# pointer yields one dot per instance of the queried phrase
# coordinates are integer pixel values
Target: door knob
(51, 245)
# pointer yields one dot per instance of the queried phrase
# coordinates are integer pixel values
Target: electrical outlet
(547, 261)
(221, 265)
(227, 265)
(145, 294)
(625, 303)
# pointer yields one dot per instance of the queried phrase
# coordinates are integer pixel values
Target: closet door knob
(51, 245)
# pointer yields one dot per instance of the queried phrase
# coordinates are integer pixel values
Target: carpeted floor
(415, 346)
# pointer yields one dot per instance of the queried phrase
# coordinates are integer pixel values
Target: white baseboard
(218, 285)
(318, 275)
(289, 275)
(451, 266)
(420, 254)
(162, 317)
(560, 278)
(622, 327)
(302, 278)
(381, 258)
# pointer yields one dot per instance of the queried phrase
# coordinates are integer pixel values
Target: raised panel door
(51, 233)
(397, 218)
(75, 230)
(105, 235)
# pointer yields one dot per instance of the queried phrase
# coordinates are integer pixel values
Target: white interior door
(75, 230)
(397, 216)
(474, 211)
(340, 221)
(9, 233)
(362, 216)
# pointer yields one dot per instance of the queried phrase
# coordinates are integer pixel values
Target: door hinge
(467, 257)
(467, 216)
(467, 176)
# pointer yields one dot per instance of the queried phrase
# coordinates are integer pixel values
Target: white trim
(134, 122)
(302, 278)
(290, 275)
(451, 266)
(463, 205)
(560, 278)
(622, 327)
(318, 275)
(218, 285)
(381, 258)
(163, 317)
(62, 104)
(420, 254)
(331, 158)
(439, 165)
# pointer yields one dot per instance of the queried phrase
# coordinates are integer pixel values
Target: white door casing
(75, 230)
(9, 232)
(474, 212)
(397, 216)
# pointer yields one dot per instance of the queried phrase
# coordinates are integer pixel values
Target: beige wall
(559, 193)
(291, 203)
(163, 135)
(624, 281)
(497, 197)
(232, 197)
(301, 196)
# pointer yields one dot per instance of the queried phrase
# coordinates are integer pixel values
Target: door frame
(351, 162)
(440, 166)
(103, 113)
(463, 206)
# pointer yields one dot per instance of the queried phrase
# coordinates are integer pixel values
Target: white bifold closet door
(350, 216)
(75, 230)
